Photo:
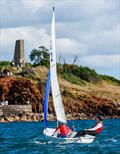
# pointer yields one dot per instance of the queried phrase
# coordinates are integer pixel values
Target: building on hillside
(19, 57)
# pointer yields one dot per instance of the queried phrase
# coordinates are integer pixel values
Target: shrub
(110, 79)
(27, 72)
(84, 73)
(72, 78)
(88, 74)
(67, 93)
(4, 63)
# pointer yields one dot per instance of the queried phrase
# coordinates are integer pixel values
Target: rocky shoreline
(32, 117)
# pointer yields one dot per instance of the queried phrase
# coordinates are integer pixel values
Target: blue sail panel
(46, 99)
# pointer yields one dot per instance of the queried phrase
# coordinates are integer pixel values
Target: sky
(88, 29)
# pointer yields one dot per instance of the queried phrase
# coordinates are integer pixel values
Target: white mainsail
(59, 108)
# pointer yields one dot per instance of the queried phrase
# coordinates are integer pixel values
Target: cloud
(66, 46)
(104, 42)
(101, 61)
(85, 10)
(34, 5)
(23, 13)
(33, 37)
(100, 41)
(29, 12)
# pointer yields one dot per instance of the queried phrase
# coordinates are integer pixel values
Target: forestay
(59, 109)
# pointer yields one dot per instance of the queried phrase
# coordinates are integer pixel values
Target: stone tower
(19, 58)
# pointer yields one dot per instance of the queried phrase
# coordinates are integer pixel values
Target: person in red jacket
(92, 131)
(62, 131)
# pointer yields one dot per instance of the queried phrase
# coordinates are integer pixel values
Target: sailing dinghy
(57, 100)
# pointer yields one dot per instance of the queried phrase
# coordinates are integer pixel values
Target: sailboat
(57, 100)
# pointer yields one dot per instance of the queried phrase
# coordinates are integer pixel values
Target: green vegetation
(76, 74)
(72, 78)
(110, 79)
(67, 93)
(4, 64)
(27, 72)
(86, 74)
(27, 64)
(40, 56)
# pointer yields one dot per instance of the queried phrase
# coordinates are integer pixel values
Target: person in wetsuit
(92, 131)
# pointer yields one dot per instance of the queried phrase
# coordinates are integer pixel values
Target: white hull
(83, 139)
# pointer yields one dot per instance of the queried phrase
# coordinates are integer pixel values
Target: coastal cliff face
(20, 91)
(80, 101)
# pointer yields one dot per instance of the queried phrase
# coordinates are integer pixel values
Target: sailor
(62, 131)
(92, 131)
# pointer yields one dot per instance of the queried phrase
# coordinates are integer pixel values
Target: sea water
(27, 138)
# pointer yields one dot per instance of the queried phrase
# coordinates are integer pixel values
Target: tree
(40, 56)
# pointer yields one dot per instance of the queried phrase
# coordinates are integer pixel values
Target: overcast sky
(89, 29)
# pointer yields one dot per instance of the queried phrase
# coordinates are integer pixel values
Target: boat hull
(48, 132)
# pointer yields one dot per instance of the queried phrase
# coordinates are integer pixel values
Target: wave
(111, 140)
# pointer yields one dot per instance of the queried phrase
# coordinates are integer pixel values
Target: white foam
(112, 140)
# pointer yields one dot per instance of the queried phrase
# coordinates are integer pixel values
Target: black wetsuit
(82, 133)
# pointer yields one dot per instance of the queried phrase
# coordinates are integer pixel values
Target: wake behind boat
(49, 133)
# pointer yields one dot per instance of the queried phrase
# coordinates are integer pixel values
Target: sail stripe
(46, 99)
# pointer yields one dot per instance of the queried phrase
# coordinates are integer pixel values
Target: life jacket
(64, 130)
(99, 127)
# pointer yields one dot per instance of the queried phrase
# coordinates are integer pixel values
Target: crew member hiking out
(62, 131)
(92, 131)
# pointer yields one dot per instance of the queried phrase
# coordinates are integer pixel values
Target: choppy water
(27, 138)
